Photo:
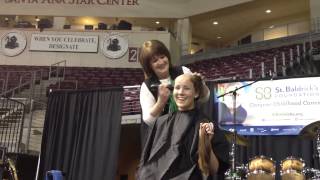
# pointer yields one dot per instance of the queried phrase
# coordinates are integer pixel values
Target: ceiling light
(272, 26)
(37, 18)
(219, 37)
(268, 11)
(215, 22)
(157, 22)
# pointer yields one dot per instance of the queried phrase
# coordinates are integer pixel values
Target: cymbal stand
(234, 139)
(233, 171)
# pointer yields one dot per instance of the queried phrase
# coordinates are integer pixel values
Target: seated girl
(184, 144)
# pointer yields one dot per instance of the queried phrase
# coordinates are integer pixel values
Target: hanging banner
(64, 43)
(114, 46)
(13, 43)
(268, 107)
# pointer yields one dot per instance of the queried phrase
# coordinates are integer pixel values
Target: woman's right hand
(163, 93)
(206, 129)
(163, 96)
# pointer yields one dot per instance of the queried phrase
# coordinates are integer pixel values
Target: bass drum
(9, 171)
(292, 169)
(261, 168)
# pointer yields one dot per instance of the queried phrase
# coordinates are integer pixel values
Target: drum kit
(264, 168)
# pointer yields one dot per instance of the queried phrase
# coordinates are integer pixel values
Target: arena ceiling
(233, 22)
(237, 21)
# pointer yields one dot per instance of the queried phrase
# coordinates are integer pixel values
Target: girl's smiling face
(184, 92)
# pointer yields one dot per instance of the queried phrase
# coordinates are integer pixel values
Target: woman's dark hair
(149, 50)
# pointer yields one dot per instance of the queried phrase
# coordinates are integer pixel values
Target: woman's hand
(163, 94)
(200, 75)
(205, 90)
(206, 129)
(207, 160)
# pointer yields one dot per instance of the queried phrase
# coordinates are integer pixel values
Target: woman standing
(155, 93)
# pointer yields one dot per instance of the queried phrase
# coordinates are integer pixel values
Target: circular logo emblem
(13, 43)
(114, 46)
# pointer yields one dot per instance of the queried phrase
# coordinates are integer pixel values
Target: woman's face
(184, 92)
(160, 66)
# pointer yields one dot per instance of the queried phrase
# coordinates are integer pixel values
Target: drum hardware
(240, 140)
(232, 174)
(312, 131)
(240, 173)
(318, 143)
(311, 174)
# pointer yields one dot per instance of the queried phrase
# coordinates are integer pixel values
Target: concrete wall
(282, 27)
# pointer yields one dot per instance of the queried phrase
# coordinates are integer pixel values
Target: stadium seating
(238, 65)
(79, 78)
(232, 66)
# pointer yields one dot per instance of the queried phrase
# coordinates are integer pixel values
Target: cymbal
(240, 140)
(310, 131)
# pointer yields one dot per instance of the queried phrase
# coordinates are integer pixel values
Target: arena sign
(13, 43)
(114, 46)
(76, 2)
(64, 43)
(115, 8)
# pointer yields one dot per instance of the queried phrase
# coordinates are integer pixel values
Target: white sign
(13, 43)
(114, 46)
(284, 104)
(65, 43)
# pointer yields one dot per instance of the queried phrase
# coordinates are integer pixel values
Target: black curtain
(82, 133)
(276, 147)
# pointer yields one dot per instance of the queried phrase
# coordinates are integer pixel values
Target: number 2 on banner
(133, 54)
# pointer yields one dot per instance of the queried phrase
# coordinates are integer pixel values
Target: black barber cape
(170, 151)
